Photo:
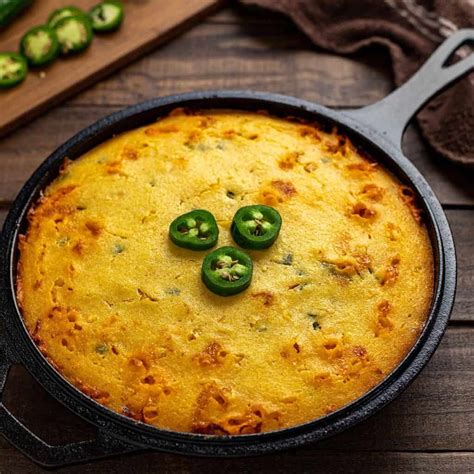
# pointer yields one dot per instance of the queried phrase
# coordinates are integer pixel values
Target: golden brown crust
(333, 307)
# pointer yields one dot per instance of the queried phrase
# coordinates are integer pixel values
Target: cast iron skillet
(377, 128)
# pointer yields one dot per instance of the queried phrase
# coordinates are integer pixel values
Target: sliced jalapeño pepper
(39, 45)
(227, 271)
(106, 16)
(256, 227)
(60, 13)
(195, 230)
(13, 69)
(74, 33)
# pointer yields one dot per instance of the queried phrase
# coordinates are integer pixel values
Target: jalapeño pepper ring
(106, 16)
(256, 227)
(13, 69)
(195, 230)
(61, 13)
(74, 33)
(227, 271)
(39, 45)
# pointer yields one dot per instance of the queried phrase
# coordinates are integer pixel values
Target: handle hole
(43, 415)
(464, 50)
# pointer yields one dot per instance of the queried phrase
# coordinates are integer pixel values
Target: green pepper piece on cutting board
(64, 12)
(106, 16)
(74, 34)
(13, 69)
(40, 45)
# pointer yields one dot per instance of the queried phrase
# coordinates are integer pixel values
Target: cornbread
(121, 312)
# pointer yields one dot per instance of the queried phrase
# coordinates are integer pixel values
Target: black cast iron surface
(377, 129)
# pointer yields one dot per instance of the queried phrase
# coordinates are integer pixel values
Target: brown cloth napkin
(410, 30)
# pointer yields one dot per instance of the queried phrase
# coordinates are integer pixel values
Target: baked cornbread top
(333, 307)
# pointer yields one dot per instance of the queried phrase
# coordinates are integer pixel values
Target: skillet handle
(42, 453)
(390, 116)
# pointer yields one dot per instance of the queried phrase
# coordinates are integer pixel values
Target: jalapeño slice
(195, 230)
(13, 69)
(106, 16)
(74, 34)
(256, 227)
(227, 271)
(60, 13)
(39, 45)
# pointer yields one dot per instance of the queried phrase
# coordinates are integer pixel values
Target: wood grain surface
(146, 24)
(429, 427)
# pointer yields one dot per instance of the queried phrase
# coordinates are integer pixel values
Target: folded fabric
(410, 30)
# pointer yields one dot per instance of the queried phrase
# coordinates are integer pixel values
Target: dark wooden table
(430, 427)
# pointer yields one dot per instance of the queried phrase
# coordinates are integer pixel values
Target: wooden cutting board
(147, 23)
